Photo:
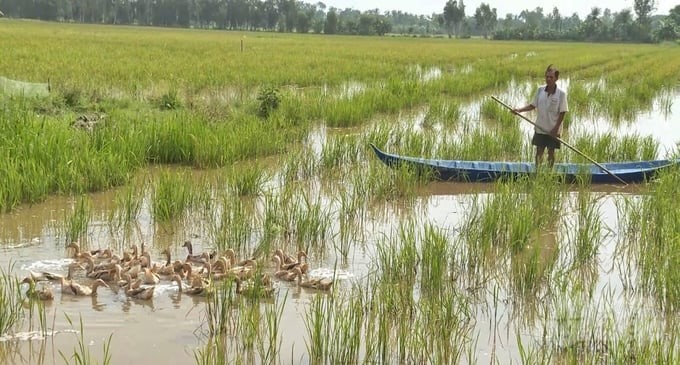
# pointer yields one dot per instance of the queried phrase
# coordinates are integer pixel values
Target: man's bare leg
(551, 157)
(539, 156)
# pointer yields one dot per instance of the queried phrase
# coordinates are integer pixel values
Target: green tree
(331, 25)
(592, 28)
(643, 8)
(304, 22)
(454, 15)
(366, 24)
(622, 29)
(674, 14)
(289, 11)
(532, 19)
(668, 31)
(555, 20)
(382, 26)
(486, 19)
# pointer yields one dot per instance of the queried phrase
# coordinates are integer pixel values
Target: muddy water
(169, 328)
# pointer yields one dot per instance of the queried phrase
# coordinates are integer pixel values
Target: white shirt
(548, 109)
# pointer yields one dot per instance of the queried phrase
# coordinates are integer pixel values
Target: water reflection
(97, 306)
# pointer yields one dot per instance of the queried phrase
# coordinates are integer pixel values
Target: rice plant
(77, 223)
(247, 181)
(172, 196)
(11, 299)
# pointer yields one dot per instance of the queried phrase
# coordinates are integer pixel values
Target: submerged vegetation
(204, 141)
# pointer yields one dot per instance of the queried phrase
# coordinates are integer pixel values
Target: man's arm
(524, 109)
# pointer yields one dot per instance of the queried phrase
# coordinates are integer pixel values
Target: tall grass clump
(583, 331)
(189, 139)
(44, 155)
(333, 323)
(496, 143)
(128, 202)
(504, 226)
(339, 151)
(240, 328)
(270, 337)
(219, 310)
(300, 164)
(247, 180)
(659, 242)
(11, 299)
(406, 322)
(493, 111)
(318, 323)
(230, 225)
(442, 112)
(351, 220)
(434, 265)
(586, 231)
(219, 316)
(490, 223)
(610, 147)
(77, 223)
(397, 264)
(312, 223)
(172, 196)
(383, 183)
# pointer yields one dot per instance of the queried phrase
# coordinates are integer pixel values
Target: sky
(427, 7)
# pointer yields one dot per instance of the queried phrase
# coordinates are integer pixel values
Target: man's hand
(555, 132)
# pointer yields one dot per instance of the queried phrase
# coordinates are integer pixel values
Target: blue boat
(487, 171)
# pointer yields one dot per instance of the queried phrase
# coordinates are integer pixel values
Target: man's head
(551, 75)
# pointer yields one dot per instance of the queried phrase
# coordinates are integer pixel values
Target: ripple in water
(326, 273)
(48, 265)
(33, 335)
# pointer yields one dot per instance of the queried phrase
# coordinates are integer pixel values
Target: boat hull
(487, 171)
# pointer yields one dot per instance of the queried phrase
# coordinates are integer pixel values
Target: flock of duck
(137, 274)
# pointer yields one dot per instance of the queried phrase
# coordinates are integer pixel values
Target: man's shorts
(545, 140)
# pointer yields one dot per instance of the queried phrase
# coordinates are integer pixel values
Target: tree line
(628, 25)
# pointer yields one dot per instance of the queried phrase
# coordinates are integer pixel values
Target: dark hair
(554, 69)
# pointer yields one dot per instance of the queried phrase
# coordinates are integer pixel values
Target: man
(550, 103)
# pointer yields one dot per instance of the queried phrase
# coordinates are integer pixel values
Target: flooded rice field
(449, 272)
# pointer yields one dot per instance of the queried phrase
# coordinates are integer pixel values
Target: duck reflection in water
(97, 305)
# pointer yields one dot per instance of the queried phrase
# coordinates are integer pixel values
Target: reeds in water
(128, 203)
(247, 180)
(172, 196)
(610, 147)
(77, 223)
(230, 224)
(11, 299)
(240, 328)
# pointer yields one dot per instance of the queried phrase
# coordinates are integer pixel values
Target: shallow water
(171, 327)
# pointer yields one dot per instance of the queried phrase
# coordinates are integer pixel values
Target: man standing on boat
(550, 103)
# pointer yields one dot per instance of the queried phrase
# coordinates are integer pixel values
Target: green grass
(11, 299)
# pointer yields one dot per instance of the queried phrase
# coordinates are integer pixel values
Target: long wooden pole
(565, 143)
